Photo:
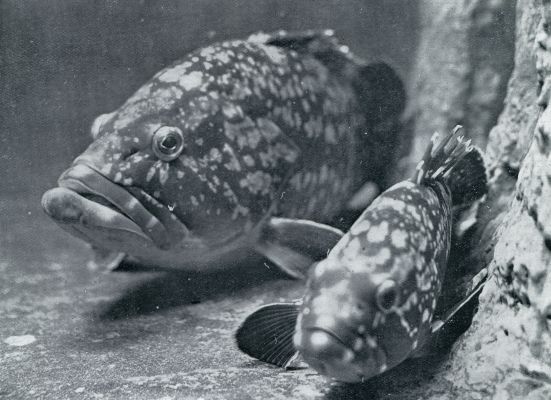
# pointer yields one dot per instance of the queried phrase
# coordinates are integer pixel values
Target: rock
(506, 352)
(464, 60)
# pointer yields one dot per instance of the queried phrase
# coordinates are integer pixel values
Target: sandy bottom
(69, 332)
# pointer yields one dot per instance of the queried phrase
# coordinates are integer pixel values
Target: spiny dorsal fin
(456, 162)
(321, 44)
(298, 41)
(267, 334)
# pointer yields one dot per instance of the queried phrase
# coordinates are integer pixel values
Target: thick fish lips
(333, 355)
(86, 197)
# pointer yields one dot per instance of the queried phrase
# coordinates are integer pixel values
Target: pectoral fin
(447, 328)
(294, 245)
(267, 334)
(467, 303)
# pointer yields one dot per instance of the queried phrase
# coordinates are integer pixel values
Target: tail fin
(457, 163)
(381, 92)
(382, 97)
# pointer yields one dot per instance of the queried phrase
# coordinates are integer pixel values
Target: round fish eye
(387, 295)
(168, 143)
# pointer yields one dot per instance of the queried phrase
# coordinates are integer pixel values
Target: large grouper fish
(242, 147)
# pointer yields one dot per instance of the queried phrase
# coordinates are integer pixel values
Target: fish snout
(328, 355)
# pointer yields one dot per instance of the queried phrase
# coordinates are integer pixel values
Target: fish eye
(387, 295)
(168, 143)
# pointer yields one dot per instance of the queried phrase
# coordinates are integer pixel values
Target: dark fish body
(370, 304)
(200, 158)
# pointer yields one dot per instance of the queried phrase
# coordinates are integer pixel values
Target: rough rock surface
(505, 354)
(464, 60)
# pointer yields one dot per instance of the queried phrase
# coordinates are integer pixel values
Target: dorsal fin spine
(455, 162)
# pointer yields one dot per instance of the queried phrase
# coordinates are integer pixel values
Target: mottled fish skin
(404, 237)
(267, 130)
(369, 305)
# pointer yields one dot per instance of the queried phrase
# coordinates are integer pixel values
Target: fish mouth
(86, 196)
(328, 354)
(334, 355)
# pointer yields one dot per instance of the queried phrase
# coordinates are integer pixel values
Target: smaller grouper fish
(242, 148)
(370, 304)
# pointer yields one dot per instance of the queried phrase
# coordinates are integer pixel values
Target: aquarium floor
(68, 332)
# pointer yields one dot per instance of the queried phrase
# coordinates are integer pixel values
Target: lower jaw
(68, 207)
(152, 218)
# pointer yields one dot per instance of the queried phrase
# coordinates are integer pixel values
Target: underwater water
(67, 330)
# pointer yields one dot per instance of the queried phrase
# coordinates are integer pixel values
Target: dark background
(62, 63)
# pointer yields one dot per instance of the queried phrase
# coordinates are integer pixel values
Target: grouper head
(175, 172)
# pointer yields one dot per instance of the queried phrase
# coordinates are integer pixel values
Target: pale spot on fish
(330, 134)
(173, 74)
(360, 263)
(191, 80)
(194, 201)
(353, 248)
(397, 205)
(163, 174)
(426, 315)
(423, 244)
(319, 339)
(399, 238)
(151, 223)
(371, 342)
(150, 174)
(257, 182)
(348, 356)
(222, 56)
(325, 321)
(248, 160)
(360, 227)
(382, 256)
(232, 111)
(378, 233)
(274, 54)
